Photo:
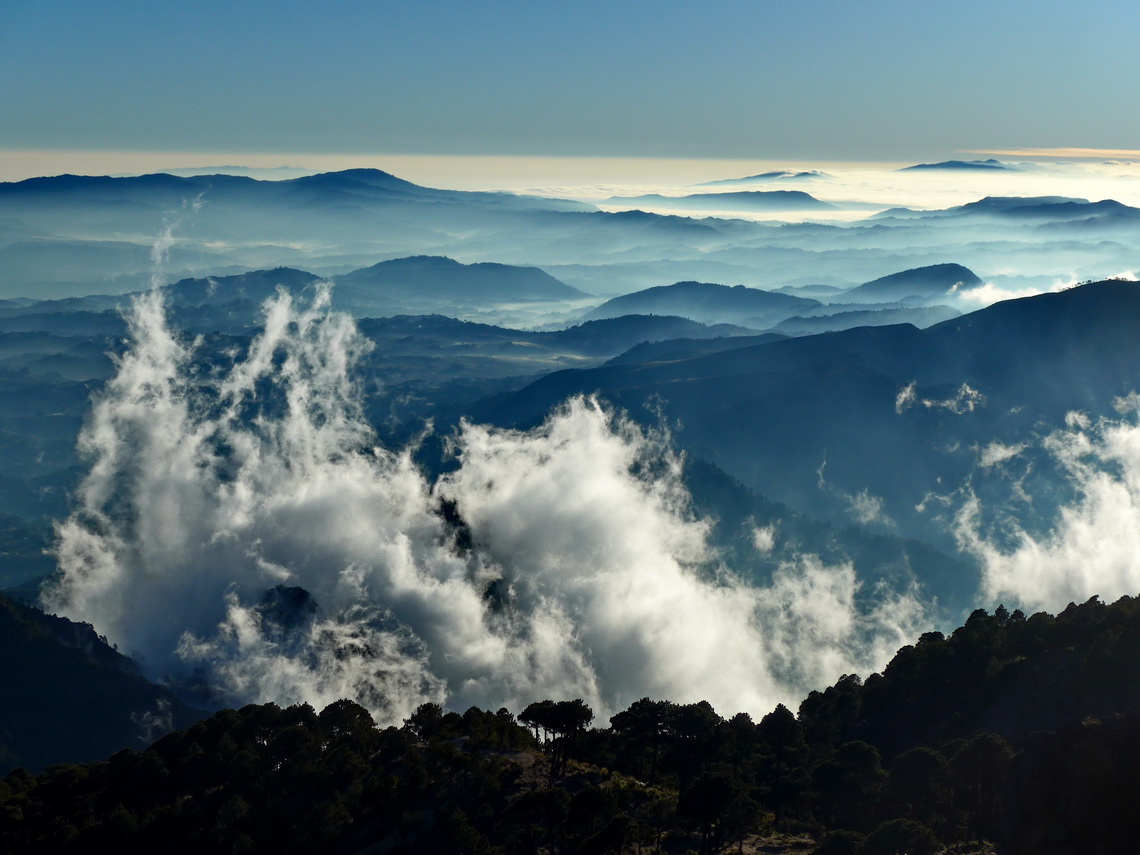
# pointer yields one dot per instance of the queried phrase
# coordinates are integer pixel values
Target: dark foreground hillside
(65, 695)
(1020, 732)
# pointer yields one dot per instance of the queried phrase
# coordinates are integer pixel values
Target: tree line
(1019, 731)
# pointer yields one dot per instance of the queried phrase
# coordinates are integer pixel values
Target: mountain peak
(706, 302)
(989, 164)
(371, 177)
(437, 277)
(935, 280)
(754, 200)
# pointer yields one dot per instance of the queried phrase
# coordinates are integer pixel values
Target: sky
(813, 80)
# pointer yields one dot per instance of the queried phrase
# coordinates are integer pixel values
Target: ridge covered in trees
(1013, 735)
(66, 695)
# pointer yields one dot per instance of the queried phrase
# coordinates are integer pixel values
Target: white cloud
(764, 538)
(965, 400)
(588, 574)
(863, 507)
(989, 293)
(996, 452)
(866, 508)
(906, 398)
(1092, 547)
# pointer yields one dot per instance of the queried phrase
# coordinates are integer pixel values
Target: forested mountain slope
(1024, 732)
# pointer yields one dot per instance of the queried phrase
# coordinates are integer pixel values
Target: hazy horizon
(858, 189)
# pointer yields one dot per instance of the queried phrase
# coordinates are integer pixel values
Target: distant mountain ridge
(1053, 210)
(1050, 208)
(753, 200)
(325, 187)
(904, 293)
(256, 286)
(989, 164)
(920, 316)
(931, 282)
(67, 236)
(413, 285)
(438, 279)
(603, 337)
(771, 175)
(706, 302)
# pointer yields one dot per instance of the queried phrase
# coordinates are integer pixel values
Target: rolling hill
(742, 200)
(922, 283)
(708, 303)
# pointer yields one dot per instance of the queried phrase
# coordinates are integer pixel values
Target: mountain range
(812, 421)
(1039, 210)
(707, 302)
(773, 412)
(989, 164)
(903, 297)
(772, 175)
(71, 236)
(742, 200)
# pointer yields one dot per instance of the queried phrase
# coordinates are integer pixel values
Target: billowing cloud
(240, 527)
(1092, 547)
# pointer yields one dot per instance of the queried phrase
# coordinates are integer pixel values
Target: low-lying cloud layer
(241, 529)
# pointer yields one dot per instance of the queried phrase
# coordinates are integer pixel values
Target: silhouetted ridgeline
(1021, 731)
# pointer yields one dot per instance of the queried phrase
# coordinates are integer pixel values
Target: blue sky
(806, 80)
